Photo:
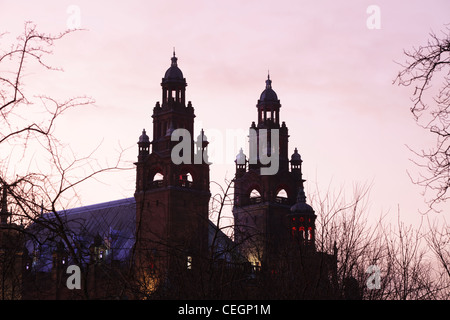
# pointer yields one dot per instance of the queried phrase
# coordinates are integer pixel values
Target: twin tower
(271, 215)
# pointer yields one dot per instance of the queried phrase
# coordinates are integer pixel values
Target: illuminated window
(302, 232)
(189, 263)
(186, 180)
(310, 233)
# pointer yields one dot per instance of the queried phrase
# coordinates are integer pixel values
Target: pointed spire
(301, 196)
(202, 133)
(201, 137)
(174, 59)
(268, 81)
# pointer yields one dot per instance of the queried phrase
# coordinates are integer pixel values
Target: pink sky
(331, 72)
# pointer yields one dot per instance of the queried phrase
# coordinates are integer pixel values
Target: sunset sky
(332, 73)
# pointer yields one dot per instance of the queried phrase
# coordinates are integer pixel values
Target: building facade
(274, 226)
(161, 242)
(262, 202)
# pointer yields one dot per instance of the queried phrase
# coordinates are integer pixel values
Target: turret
(144, 144)
(241, 164)
(302, 220)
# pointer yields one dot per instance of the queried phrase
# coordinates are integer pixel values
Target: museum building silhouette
(160, 243)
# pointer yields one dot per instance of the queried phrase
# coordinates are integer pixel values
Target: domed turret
(173, 87)
(241, 163)
(144, 137)
(241, 158)
(296, 156)
(301, 207)
(269, 108)
(144, 144)
(296, 160)
(173, 74)
(268, 94)
(303, 219)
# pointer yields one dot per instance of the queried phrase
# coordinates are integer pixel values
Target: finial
(174, 58)
(202, 137)
(268, 81)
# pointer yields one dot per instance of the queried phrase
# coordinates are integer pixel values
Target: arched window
(301, 231)
(189, 262)
(310, 234)
(255, 196)
(186, 180)
(158, 180)
(282, 197)
(294, 231)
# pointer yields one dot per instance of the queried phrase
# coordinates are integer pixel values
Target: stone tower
(265, 225)
(172, 187)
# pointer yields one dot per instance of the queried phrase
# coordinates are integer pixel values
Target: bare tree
(408, 270)
(379, 259)
(427, 71)
(343, 227)
(438, 241)
(38, 172)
